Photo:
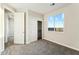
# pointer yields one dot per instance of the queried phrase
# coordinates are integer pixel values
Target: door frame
(5, 35)
(41, 29)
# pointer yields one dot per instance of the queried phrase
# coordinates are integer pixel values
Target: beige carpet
(41, 47)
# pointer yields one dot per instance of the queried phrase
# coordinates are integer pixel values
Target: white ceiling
(37, 7)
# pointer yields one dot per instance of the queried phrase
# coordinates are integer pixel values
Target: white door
(19, 28)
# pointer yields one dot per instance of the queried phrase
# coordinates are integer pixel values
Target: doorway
(39, 31)
(9, 28)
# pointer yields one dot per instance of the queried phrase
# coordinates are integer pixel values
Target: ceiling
(37, 7)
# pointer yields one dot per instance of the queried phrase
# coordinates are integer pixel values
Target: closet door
(19, 28)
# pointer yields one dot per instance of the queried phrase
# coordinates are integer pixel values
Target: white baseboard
(64, 45)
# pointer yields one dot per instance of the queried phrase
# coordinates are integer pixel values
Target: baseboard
(28, 42)
(64, 45)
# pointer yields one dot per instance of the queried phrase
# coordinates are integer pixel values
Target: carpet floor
(40, 47)
(10, 42)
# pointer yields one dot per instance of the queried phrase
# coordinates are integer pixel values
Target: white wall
(6, 25)
(8, 7)
(31, 25)
(70, 36)
(1, 29)
(9, 25)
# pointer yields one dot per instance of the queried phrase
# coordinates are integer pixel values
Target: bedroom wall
(6, 23)
(1, 29)
(70, 36)
(11, 25)
(31, 25)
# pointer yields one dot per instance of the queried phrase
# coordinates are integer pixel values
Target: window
(56, 23)
(51, 23)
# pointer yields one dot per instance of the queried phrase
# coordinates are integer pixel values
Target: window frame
(61, 29)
